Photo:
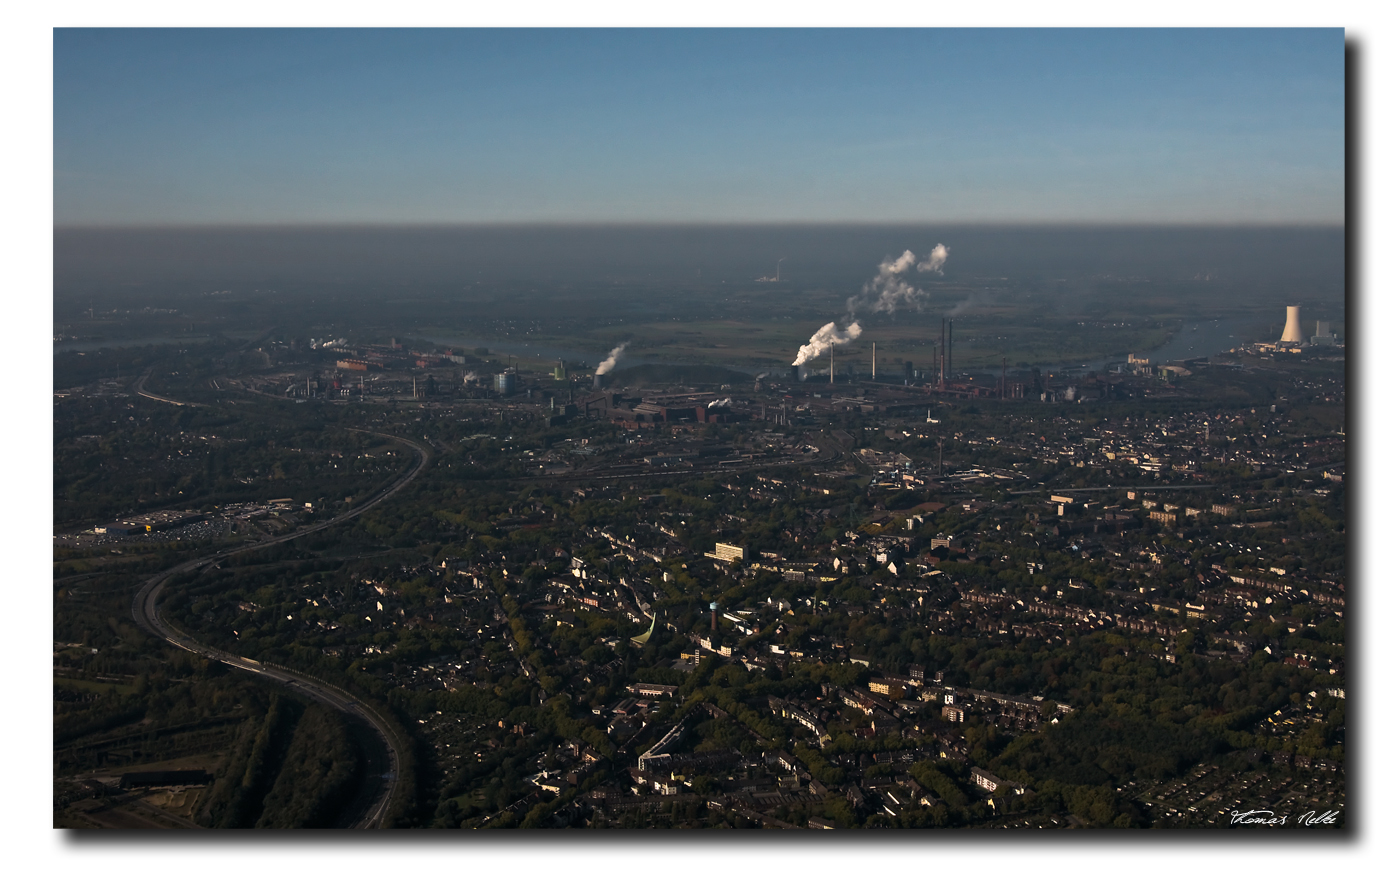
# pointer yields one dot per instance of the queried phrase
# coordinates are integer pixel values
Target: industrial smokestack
(1293, 327)
(942, 359)
(872, 360)
(950, 346)
(833, 363)
(597, 382)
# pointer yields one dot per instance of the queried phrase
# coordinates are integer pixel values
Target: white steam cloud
(936, 258)
(610, 363)
(720, 403)
(961, 306)
(884, 294)
(828, 336)
(888, 291)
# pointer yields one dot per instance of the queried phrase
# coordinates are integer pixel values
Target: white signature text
(1267, 817)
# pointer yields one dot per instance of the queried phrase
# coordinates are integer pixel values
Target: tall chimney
(872, 360)
(833, 363)
(950, 346)
(942, 328)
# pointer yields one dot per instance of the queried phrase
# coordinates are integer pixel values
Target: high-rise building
(729, 552)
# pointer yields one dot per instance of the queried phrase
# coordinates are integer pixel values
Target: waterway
(89, 345)
(574, 359)
(1195, 339)
(1206, 338)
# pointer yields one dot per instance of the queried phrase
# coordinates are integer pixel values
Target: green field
(978, 341)
(93, 685)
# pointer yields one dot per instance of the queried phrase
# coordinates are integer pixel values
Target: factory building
(1324, 337)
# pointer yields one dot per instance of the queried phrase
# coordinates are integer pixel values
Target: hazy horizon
(694, 262)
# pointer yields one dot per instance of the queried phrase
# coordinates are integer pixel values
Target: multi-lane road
(146, 612)
(140, 388)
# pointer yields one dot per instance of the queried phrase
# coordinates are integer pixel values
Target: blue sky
(407, 126)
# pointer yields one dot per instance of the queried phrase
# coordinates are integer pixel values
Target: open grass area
(94, 686)
(208, 761)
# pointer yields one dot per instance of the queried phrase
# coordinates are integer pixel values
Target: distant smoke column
(1293, 328)
(608, 364)
(936, 258)
(828, 336)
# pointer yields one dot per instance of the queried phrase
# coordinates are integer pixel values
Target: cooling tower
(1293, 328)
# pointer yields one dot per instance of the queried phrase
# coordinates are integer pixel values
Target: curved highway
(145, 612)
(140, 388)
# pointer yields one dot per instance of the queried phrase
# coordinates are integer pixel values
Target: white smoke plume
(610, 363)
(720, 403)
(827, 337)
(469, 377)
(961, 307)
(887, 291)
(898, 264)
(936, 258)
